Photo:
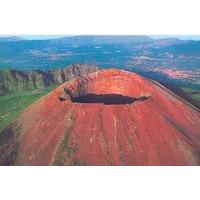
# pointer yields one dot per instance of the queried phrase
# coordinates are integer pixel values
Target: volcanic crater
(94, 90)
(109, 117)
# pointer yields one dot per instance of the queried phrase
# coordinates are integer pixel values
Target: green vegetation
(193, 93)
(60, 155)
(188, 90)
(12, 105)
(12, 81)
(197, 97)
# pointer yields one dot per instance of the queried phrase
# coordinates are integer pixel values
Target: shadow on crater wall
(107, 99)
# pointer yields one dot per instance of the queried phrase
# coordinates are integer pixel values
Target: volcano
(109, 117)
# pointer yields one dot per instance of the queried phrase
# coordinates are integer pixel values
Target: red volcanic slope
(161, 129)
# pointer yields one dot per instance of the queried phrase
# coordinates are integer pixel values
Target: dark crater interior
(107, 99)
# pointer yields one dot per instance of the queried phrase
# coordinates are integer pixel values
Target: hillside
(16, 80)
(19, 89)
(109, 117)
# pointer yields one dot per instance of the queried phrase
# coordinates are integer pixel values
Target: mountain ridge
(4, 39)
(16, 80)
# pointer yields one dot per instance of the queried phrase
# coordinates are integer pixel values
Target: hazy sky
(183, 37)
(41, 37)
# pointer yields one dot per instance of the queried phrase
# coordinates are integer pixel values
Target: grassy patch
(193, 93)
(188, 90)
(197, 97)
(12, 105)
